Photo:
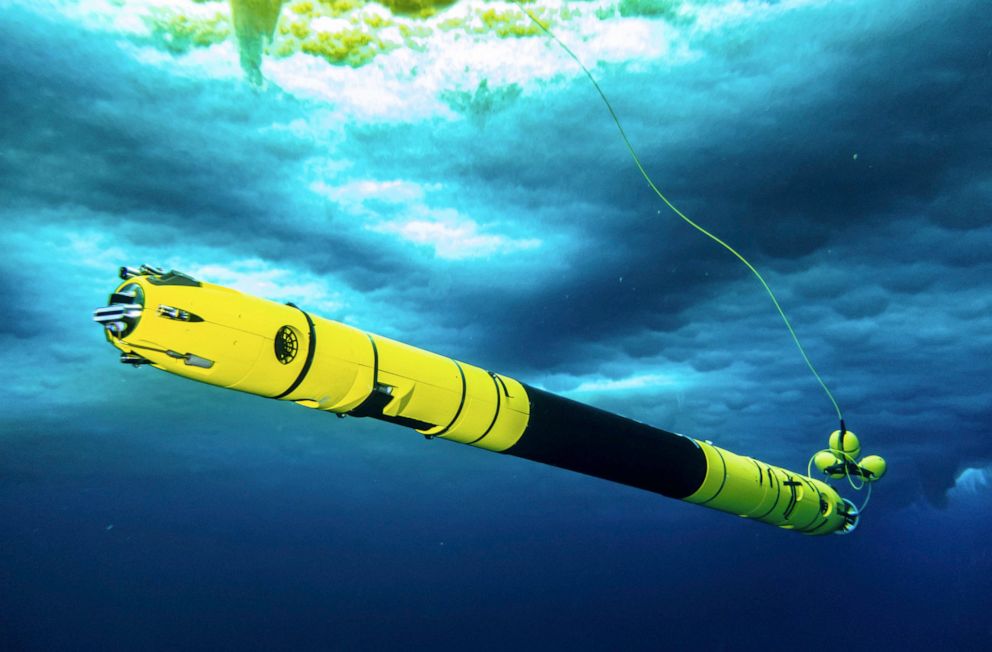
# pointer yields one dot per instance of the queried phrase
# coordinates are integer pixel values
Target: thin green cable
(637, 162)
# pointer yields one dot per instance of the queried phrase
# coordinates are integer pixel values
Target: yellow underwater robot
(223, 337)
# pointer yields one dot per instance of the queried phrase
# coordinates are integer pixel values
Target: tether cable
(714, 238)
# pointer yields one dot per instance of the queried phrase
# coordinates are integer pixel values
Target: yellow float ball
(873, 467)
(850, 445)
(824, 460)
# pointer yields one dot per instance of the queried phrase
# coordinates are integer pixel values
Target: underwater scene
(699, 293)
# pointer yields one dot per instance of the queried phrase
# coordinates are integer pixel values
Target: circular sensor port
(287, 344)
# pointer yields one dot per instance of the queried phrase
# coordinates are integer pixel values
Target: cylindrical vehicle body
(222, 337)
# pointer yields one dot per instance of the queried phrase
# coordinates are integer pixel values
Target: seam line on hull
(461, 404)
(722, 482)
(495, 414)
(771, 483)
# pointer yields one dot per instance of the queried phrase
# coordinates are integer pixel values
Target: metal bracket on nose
(145, 270)
(191, 359)
(158, 276)
(134, 359)
(177, 314)
(113, 316)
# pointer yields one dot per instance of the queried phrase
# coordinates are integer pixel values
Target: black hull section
(570, 435)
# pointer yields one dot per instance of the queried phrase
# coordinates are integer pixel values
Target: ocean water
(446, 175)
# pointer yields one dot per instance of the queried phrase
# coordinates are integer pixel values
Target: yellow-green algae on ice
(354, 39)
(354, 32)
(348, 31)
(179, 33)
(416, 8)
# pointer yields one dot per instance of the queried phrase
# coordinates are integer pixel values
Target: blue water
(843, 147)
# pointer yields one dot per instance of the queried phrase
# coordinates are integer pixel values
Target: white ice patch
(452, 235)
(972, 481)
(95, 251)
(636, 382)
(129, 17)
(329, 25)
(352, 194)
(375, 92)
(261, 279)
